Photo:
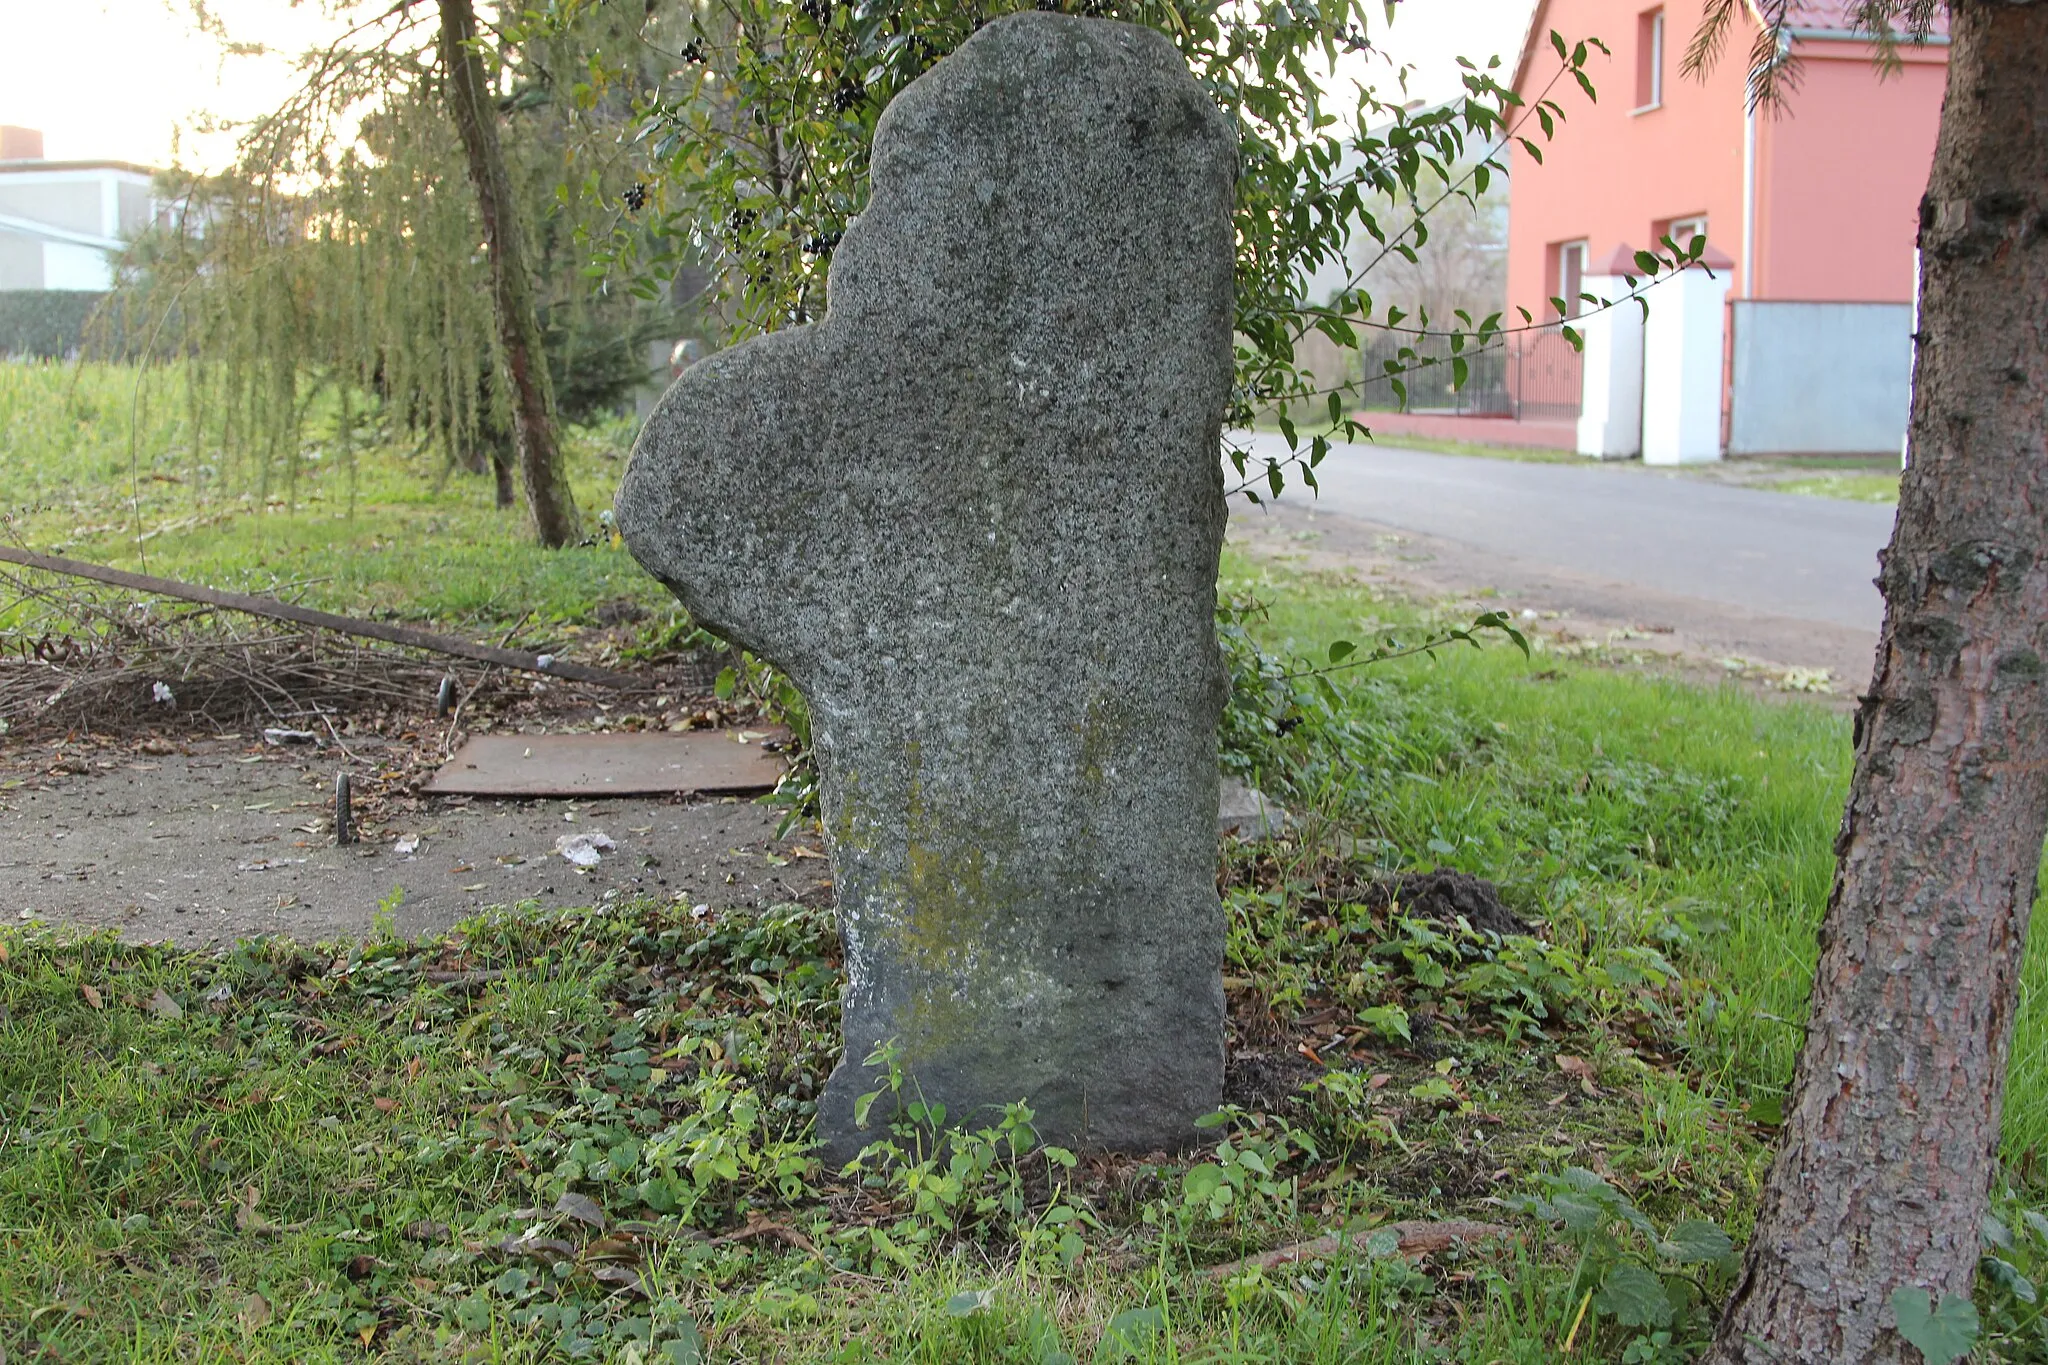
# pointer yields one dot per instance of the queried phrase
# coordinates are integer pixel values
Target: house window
(1649, 59)
(1568, 274)
(1680, 230)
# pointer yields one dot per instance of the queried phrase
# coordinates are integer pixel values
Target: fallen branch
(307, 616)
(1416, 1239)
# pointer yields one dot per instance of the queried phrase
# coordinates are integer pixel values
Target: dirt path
(218, 840)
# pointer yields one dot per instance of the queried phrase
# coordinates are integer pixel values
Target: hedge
(45, 322)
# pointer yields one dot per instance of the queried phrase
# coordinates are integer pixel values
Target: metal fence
(1535, 375)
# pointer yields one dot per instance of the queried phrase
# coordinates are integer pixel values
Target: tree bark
(548, 498)
(1891, 1133)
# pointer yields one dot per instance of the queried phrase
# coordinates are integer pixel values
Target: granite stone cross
(975, 514)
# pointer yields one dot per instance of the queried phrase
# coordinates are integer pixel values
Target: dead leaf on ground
(92, 997)
(384, 1104)
(582, 1208)
(547, 1249)
(614, 1246)
(623, 1276)
(254, 1312)
(1580, 1070)
(246, 1217)
(163, 1007)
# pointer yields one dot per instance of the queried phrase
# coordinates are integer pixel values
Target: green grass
(1525, 454)
(280, 1155)
(1854, 487)
(1519, 454)
(381, 531)
(1591, 792)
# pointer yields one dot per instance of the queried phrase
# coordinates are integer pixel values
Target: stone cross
(975, 514)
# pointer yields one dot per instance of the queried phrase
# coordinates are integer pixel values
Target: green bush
(45, 322)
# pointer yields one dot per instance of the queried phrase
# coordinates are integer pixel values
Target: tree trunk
(548, 496)
(1891, 1130)
(504, 456)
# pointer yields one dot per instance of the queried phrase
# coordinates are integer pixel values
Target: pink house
(1817, 201)
(1810, 212)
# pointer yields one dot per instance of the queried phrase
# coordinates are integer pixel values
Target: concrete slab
(641, 763)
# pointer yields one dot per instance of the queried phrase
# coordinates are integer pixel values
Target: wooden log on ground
(323, 620)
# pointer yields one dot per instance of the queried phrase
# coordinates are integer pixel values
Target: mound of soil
(1444, 895)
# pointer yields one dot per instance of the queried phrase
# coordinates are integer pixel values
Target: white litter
(161, 694)
(407, 845)
(586, 849)
(265, 864)
(276, 736)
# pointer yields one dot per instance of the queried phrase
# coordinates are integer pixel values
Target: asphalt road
(1777, 555)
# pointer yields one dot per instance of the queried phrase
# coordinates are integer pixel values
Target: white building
(62, 223)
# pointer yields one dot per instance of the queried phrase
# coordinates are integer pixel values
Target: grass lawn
(583, 1135)
(374, 533)
(1864, 487)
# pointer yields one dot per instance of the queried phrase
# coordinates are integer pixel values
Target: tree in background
(532, 400)
(1460, 254)
(412, 229)
(1455, 263)
(1867, 1243)
(762, 140)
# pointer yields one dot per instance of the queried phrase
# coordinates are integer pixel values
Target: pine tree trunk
(548, 497)
(1891, 1131)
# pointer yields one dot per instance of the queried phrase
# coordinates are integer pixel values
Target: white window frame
(1567, 288)
(1656, 100)
(1683, 230)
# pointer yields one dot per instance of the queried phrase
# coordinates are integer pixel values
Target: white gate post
(1682, 357)
(1611, 392)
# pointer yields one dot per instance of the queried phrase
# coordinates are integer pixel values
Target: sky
(135, 80)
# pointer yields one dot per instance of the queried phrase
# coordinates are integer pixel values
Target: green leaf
(1941, 1331)
(1340, 650)
(2006, 1276)
(1391, 1021)
(1132, 1327)
(1201, 1182)
(686, 1347)
(728, 682)
(970, 1302)
(1634, 1297)
(1696, 1240)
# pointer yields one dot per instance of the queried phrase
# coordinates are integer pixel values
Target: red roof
(1805, 18)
